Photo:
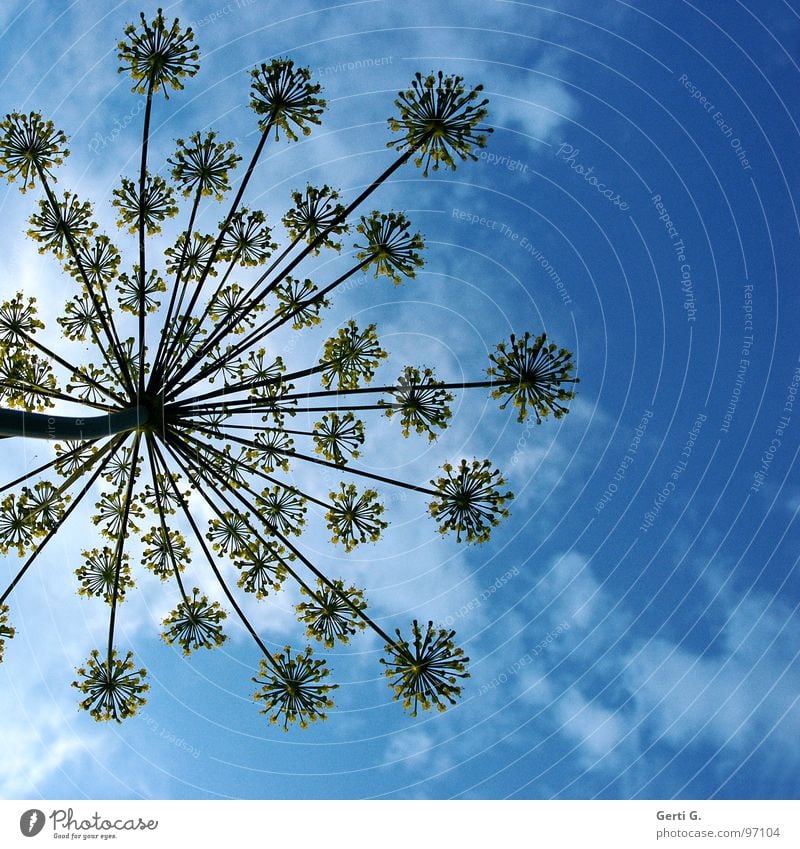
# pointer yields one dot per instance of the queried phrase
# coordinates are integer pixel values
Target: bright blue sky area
(633, 625)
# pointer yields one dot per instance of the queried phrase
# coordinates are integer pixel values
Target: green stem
(199, 537)
(44, 426)
(121, 545)
(176, 349)
(142, 234)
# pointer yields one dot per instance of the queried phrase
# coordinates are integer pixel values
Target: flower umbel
(332, 612)
(158, 55)
(113, 687)
(419, 402)
(469, 502)
(390, 248)
(286, 98)
(29, 145)
(293, 688)
(6, 631)
(531, 374)
(428, 672)
(440, 120)
(195, 624)
(184, 415)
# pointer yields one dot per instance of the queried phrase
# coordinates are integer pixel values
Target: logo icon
(31, 822)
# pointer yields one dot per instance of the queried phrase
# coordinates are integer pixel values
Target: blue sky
(633, 625)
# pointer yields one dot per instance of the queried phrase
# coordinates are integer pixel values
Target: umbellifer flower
(113, 687)
(158, 56)
(531, 375)
(195, 624)
(353, 518)
(285, 96)
(187, 403)
(469, 501)
(428, 672)
(29, 145)
(390, 248)
(294, 688)
(332, 612)
(439, 120)
(6, 631)
(419, 401)
(99, 574)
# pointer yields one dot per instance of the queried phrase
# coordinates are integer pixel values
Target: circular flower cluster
(468, 502)
(353, 518)
(113, 687)
(428, 672)
(6, 631)
(158, 56)
(439, 120)
(419, 401)
(531, 375)
(316, 217)
(286, 98)
(101, 572)
(192, 396)
(293, 688)
(333, 612)
(29, 147)
(202, 166)
(195, 624)
(390, 248)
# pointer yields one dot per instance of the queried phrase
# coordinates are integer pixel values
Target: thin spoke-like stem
(177, 348)
(142, 235)
(123, 533)
(256, 335)
(161, 513)
(209, 557)
(155, 374)
(109, 393)
(108, 326)
(311, 246)
(52, 532)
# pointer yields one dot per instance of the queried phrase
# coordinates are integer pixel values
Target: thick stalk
(45, 426)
